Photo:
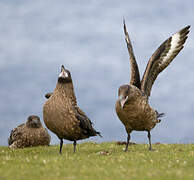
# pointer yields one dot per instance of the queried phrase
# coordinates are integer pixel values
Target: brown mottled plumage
(32, 133)
(132, 106)
(62, 115)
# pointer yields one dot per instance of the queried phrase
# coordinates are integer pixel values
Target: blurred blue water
(36, 37)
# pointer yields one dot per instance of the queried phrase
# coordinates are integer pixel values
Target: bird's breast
(60, 118)
(137, 115)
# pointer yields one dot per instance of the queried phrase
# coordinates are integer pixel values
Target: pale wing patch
(162, 57)
(174, 46)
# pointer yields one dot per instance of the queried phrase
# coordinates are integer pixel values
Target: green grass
(99, 161)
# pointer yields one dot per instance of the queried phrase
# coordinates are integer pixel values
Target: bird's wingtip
(123, 20)
(188, 26)
(99, 134)
(124, 27)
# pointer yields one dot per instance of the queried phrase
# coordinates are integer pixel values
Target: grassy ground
(99, 161)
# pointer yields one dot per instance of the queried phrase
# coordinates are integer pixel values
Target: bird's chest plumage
(137, 115)
(59, 117)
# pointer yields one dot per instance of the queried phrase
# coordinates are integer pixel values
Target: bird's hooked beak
(123, 100)
(63, 73)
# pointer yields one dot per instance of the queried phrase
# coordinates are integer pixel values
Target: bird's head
(64, 76)
(123, 94)
(33, 122)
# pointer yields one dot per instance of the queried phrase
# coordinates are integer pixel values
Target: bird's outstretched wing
(135, 78)
(85, 123)
(162, 57)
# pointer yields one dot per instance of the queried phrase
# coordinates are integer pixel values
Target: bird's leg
(74, 146)
(61, 145)
(149, 137)
(128, 139)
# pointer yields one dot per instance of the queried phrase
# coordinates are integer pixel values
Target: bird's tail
(98, 133)
(10, 139)
(159, 115)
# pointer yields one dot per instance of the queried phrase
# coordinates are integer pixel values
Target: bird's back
(23, 136)
(16, 134)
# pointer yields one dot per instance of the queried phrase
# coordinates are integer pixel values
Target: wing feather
(15, 134)
(135, 77)
(162, 57)
(85, 123)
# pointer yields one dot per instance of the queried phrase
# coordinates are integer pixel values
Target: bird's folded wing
(85, 122)
(162, 57)
(134, 76)
(15, 134)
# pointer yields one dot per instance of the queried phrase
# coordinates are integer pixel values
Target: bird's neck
(66, 91)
